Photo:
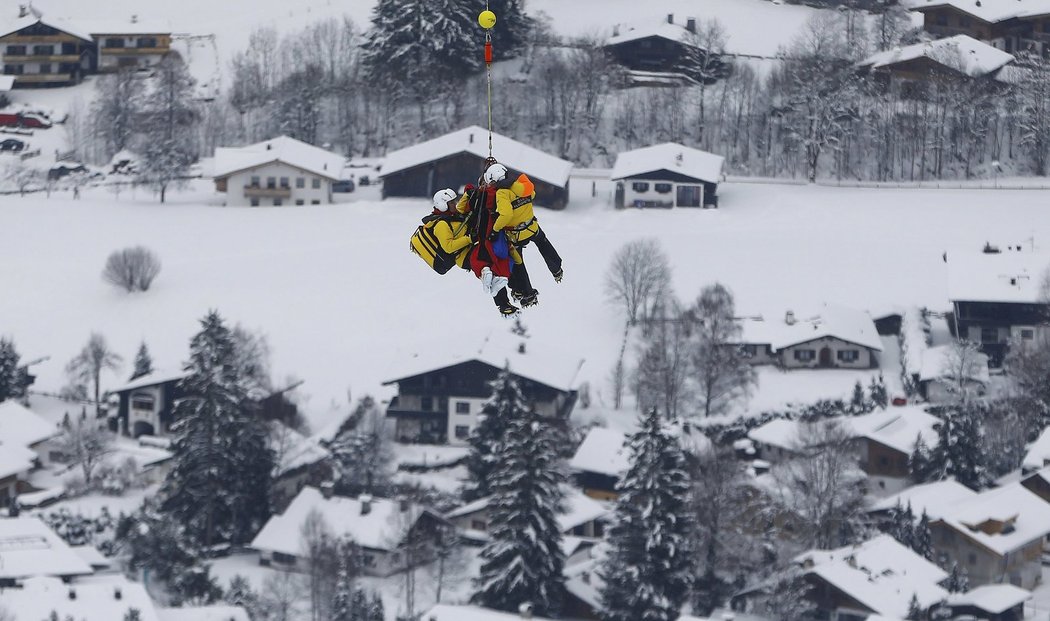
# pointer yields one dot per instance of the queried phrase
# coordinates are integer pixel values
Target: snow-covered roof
(547, 363)
(12, 26)
(158, 376)
(1027, 514)
(896, 427)
(7, 82)
(204, 613)
(579, 509)
(671, 156)
(29, 548)
(283, 149)
(990, 11)
(933, 498)
(90, 555)
(1008, 276)
(474, 140)
(779, 432)
(15, 459)
(847, 324)
(99, 27)
(960, 52)
(1038, 454)
(624, 33)
(382, 528)
(991, 598)
(602, 452)
(935, 361)
(446, 612)
(880, 573)
(293, 449)
(97, 600)
(20, 425)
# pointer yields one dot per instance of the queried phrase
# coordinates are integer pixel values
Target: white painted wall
(863, 361)
(148, 416)
(308, 194)
(469, 419)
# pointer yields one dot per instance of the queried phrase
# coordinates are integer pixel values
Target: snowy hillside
(346, 306)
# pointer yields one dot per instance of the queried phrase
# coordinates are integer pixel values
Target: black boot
(531, 298)
(503, 304)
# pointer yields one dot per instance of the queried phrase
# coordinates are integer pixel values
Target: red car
(27, 119)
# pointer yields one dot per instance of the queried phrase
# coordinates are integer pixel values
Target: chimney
(670, 18)
(23, 10)
(134, 19)
(616, 30)
(690, 25)
(117, 594)
(269, 146)
(1013, 281)
(521, 347)
(789, 318)
(72, 593)
(586, 577)
(471, 140)
(366, 503)
(525, 610)
(327, 489)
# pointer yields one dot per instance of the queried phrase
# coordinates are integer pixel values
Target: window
(640, 186)
(478, 525)
(426, 404)
(848, 355)
(883, 460)
(941, 19)
(368, 560)
(462, 407)
(254, 201)
(972, 558)
(146, 42)
(142, 402)
(43, 50)
(1027, 334)
(271, 182)
(68, 49)
(284, 559)
(300, 182)
(689, 195)
(113, 42)
(277, 202)
(315, 202)
(316, 183)
(1046, 26)
(750, 350)
(16, 50)
(68, 67)
(255, 182)
(14, 69)
(990, 335)
(284, 183)
(964, 21)
(299, 201)
(45, 68)
(462, 431)
(663, 188)
(805, 355)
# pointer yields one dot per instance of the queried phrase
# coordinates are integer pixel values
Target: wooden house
(458, 158)
(276, 172)
(662, 53)
(834, 338)
(959, 58)
(667, 175)
(1009, 25)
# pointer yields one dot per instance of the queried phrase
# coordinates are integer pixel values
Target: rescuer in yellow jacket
(442, 240)
(516, 218)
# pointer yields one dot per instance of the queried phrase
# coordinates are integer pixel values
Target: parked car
(343, 185)
(61, 170)
(27, 119)
(12, 144)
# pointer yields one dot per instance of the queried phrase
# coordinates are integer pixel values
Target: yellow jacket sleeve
(515, 256)
(463, 205)
(504, 209)
(449, 243)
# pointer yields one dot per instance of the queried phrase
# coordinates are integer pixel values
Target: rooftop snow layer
(98, 27)
(382, 528)
(474, 140)
(290, 151)
(933, 498)
(1029, 515)
(602, 452)
(93, 601)
(579, 509)
(651, 28)
(670, 156)
(158, 376)
(935, 361)
(446, 612)
(293, 449)
(896, 427)
(1038, 454)
(20, 425)
(991, 598)
(853, 326)
(10, 26)
(29, 548)
(961, 53)
(1009, 276)
(990, 11)
(15, 459)
(7, 82)
(880, 573)
(779, 432)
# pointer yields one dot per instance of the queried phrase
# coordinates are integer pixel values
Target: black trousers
(519, 276)
(502, 298)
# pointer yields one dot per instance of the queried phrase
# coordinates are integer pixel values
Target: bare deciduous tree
(363, 453)
(132, 269)
(963, 366)
(85, 441)
(280, 596)
(640, 273)
(88, 365)
(661, 378)
(321, 551)
(722, 372)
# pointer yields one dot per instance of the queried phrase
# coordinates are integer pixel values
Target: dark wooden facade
(1038, 485)
(70, 56)
(990, 323)
(1031, 33)
(168, 392)
(455, 171)
(885, 461)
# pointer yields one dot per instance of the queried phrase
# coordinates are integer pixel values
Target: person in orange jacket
(491, 257)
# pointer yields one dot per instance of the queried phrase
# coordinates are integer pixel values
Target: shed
(667, 175)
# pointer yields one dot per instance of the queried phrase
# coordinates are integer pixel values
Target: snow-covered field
(346, 306)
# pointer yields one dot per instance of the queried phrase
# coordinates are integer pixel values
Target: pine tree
(958, 581)
(506, 404)
(959, 451)
(219, 483)
(901, 525)
(12, 376)
(342, 600)
(919, 463)
(858, 402)
(914, 610)
(923, 540)
(523, 561)
(143, 362)
(375, 609)
(648, 571)
(877, 392)
(513, 27)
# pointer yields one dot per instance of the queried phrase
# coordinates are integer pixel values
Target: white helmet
(496, 172)
(442, 198)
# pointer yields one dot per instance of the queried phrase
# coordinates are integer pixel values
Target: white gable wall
(235, 184)
(865, 359)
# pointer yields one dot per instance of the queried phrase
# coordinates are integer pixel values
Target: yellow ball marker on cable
(487, 19)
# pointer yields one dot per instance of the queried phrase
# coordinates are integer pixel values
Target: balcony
(43, 78)
(254, 191)
(134, 51)
(53, 58)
